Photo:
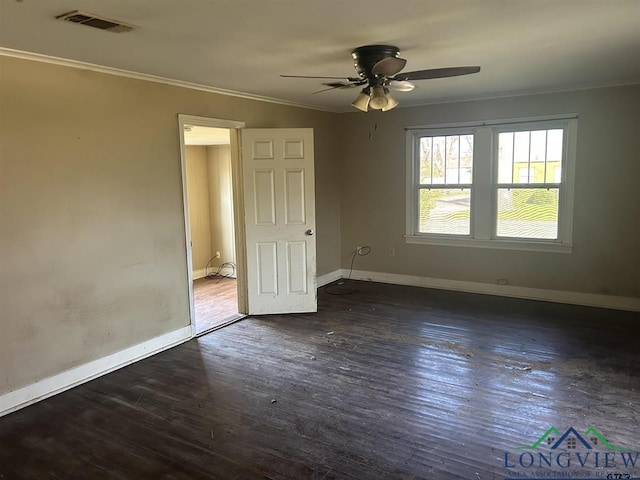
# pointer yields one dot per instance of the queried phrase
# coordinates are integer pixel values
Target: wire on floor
(219, 273)
(338, 287)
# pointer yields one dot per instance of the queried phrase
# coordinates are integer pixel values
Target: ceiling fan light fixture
(378, 98)
(362, 101)
(402, 86)
(391, 102)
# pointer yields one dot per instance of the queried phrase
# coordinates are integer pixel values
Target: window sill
(526, 245)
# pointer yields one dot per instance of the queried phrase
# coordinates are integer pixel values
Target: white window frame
(485, 181)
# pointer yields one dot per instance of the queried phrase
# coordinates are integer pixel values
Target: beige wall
(199, 208)
(606, 256)
(221, 204)
(92, 252)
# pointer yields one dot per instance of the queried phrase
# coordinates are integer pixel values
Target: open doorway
(209, 196)
(274, 244)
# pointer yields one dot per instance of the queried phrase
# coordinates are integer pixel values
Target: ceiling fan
(378, 68)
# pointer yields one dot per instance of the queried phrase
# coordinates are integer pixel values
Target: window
(527, 202)
(495, 184)
(444, 197)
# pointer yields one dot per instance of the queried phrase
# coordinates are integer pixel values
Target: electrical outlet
(359, 250)
(392, 252)
(217, 255)
(503, 281)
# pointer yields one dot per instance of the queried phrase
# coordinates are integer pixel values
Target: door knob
(309, 232)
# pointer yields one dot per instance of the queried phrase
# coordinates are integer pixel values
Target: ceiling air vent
(95, 21)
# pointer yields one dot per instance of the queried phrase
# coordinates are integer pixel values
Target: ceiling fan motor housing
(364, 58)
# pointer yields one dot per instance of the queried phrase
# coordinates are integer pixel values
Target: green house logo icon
(571, 439)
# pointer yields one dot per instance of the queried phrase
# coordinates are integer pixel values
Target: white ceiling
(243, 45)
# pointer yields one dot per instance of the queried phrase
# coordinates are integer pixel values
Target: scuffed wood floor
(215, 301)
(387, 382)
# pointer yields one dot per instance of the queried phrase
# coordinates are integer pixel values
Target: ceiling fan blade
(388, 67)
(325, 90)
(335, 85)
(341, 84)
(436, 73)
(349, 79)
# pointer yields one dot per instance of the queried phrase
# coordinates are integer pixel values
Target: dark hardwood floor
(386, 382)
(215, 301)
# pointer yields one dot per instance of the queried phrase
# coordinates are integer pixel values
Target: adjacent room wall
(605, 257)
(221, 204)
(198, 194)
(92, 252)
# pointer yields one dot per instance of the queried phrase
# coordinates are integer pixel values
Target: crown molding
(38, 57)
(522, 93)
(65, 62)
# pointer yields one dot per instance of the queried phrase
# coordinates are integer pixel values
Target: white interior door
(279, 201)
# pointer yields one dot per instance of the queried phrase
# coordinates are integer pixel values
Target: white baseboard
(199, 273)
(327, 278)
(557, 296)
(55, 384)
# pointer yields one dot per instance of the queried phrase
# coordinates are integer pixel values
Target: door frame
(234, 127)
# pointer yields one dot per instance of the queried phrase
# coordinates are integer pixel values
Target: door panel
(264, 186)
(296, 267)
(279, 200)
(294, 197)
(267, 262)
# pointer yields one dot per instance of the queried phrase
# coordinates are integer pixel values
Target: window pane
(538, 146)
(521, 147)
(529, 157)
(445, 210)
(452, 173)
(554, 156)
(446, 160)
(439, 147)
(466, 158)
(426, 150)
(554, 145)
(525, 175)
(505, 157)
(528, 213)
(521, 154)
